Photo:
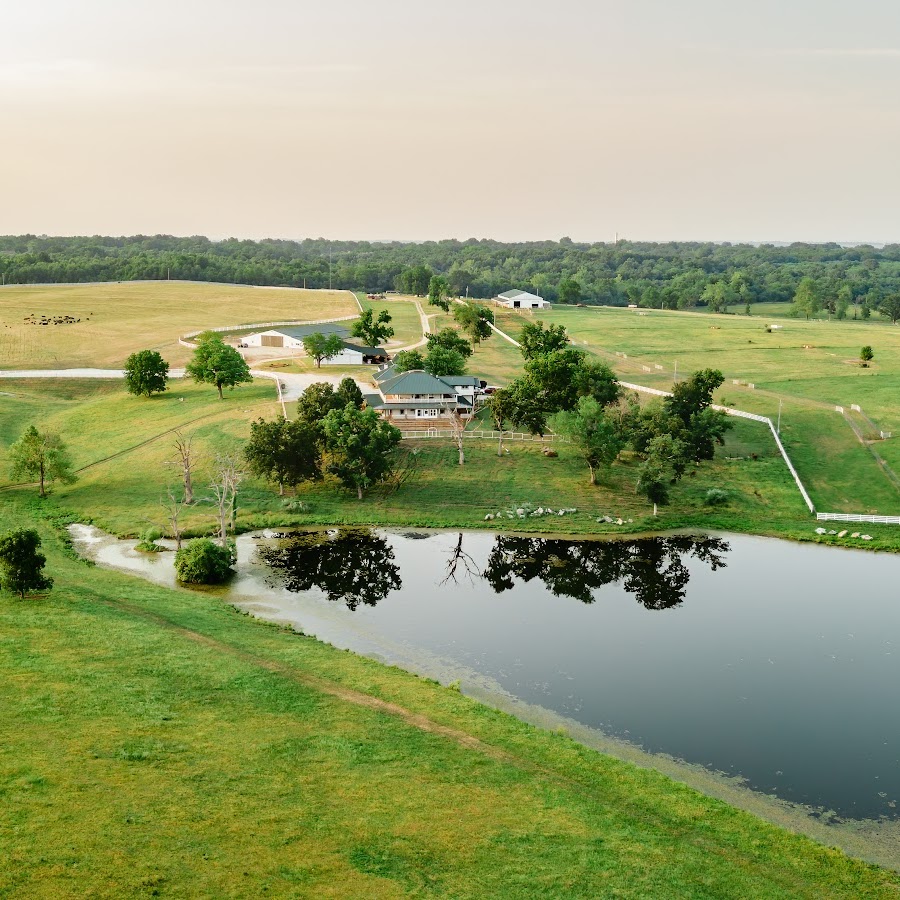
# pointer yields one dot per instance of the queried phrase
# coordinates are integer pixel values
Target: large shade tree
(372, 329)
(146, 372)
(214, 362)
(320, 346)
(358, 447)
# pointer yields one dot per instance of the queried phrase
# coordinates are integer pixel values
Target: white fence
(487, 435)
(854, 517)
(742, 415)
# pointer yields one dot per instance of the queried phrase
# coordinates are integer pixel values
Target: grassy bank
(155, 742)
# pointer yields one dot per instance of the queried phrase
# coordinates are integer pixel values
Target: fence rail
(854, 517)
(739, 413)
(424, 434)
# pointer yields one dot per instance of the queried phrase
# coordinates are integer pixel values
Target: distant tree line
(676, 275)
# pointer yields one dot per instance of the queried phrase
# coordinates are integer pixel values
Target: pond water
(772, 661)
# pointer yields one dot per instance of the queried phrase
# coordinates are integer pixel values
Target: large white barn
(521, 300)
(291, 338)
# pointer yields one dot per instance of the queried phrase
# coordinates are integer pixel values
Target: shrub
(715, 497)
(147, 543)
(203, 562)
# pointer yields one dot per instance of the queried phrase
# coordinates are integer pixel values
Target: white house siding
(346, 357)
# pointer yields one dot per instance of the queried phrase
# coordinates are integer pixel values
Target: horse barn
(290, 337)
(521, 300)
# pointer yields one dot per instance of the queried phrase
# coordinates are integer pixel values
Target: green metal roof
(366, 351)
(415, 382)
(301, 331)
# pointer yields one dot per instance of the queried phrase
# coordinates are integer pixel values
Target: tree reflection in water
(352, 565)
(652, 569)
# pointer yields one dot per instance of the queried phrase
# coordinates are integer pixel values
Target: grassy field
(156, 743)
(405, 318)
(117, 319)
(811, 367)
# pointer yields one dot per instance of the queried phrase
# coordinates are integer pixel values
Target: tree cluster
(332, 435)
(579, 398)
(660, 275)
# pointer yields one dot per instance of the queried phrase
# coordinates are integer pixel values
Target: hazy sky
(702, 119)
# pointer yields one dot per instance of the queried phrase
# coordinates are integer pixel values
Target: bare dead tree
(172, 507)
(457, 427)
(187, 458)
(460, 557)
(227, 475)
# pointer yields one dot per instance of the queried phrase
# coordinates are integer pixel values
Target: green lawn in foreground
(129, 316)
(157, 743)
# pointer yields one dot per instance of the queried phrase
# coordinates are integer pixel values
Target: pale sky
(403, 119)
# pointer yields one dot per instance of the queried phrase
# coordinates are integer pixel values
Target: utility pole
(675, 377)
(329, 267)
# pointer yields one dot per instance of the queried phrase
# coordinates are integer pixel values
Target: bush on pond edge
(202, 562)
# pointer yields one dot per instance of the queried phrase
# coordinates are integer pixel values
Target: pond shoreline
(877, 841)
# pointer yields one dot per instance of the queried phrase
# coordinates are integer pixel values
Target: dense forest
(670, 275)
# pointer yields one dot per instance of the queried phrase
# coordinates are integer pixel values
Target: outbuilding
(291, 336)
(521, 300)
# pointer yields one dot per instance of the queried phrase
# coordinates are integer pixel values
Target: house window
(426, 413)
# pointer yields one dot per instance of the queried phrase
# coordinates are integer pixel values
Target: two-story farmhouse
(417, 399)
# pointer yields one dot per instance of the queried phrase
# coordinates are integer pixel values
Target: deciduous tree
(407, 360)
(593, 432)
(41, 455)
(214, 362)
(320, 346)
(282, 451)
(569, 291)
(372, 329)
(437, 292)
(359, 447)
(146, 372)
(536, 339)
(22, 563)
(451, 339)
(890, 308)
(440, 361)
(473, 318)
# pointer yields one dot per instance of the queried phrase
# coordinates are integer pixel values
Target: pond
(759, 658)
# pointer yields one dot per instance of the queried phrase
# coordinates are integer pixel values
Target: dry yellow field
(119, 318)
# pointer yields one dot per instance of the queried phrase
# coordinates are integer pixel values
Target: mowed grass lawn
(155, 742)
(121, 317)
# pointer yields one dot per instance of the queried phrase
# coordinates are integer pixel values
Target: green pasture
(811, 367)
(405, 318)
(119, 318)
